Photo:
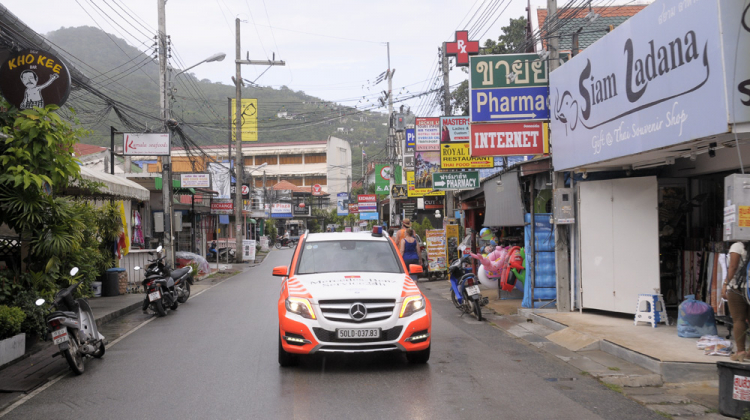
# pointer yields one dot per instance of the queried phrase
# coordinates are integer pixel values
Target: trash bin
(734, 388)
(111, 283)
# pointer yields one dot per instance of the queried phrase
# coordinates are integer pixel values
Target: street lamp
(215, 57)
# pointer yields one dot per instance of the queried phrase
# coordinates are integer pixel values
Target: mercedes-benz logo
(358, 311)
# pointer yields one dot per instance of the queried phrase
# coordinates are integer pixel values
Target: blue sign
(342, 204)
(368, 216)
(509, 104)
(411, 139)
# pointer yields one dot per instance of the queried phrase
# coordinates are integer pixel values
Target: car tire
(287, 359)
(419, 357)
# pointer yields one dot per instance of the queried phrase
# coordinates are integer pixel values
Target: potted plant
(12, 340)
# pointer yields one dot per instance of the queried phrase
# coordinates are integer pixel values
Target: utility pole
(238, 159)
(447, 112)
(165, 160)
(562, 250)
(391, 140)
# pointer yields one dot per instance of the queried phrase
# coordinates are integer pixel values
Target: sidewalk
(38, 365)
(650, 365)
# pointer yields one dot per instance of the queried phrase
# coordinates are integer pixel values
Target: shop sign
(249, 115)
(248, 249)
(417, 189)
(195, 180)
(509, 139)
(353, 208)
(491, 71)
(399, 191)
(367, 202)
(34, 78)
(651, 95)
(433, 203)
(436, 244)
(468, 180)
(342, 204)
(383, 178)
(281, 210)
(462, 48)
(146, 144)
(317, 189)
(491, 105)
(454, 129)
(428, 133)
(735, 24)
(458, 156)
(222, 206)
(368, 216)
(411, 139)
(300, 210)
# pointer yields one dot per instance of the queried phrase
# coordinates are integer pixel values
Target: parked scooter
(220, 253)
(73, 327)
(165, 289)
(465, 293)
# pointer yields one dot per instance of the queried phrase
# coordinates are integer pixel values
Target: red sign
(509, 139)
(367, 203)
(245, 190)
(462, 48)
(222, 206)
(353, 208)
(317, 189)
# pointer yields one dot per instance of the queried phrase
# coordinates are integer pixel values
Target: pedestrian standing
(401, 233)
(408, 248)
(734, 292)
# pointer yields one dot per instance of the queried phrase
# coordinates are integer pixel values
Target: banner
(413, 191)
(436, 242)
(368, 216)
(342, 204)
(367, 202)
(509, 139)
(220, 179)
(427, 131)
(249, 119)
(425, 164)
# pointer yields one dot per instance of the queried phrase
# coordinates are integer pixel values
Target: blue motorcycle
(465, 293)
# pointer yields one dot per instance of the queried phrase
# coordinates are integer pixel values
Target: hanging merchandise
(137, 229)
(123, 244)
(695, 319)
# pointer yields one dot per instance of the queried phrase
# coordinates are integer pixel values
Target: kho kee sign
(34, 78)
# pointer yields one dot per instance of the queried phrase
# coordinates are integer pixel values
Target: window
(295, 181)
(249, 161)
(348, 256)
(315, 158)
(270, 181)
(312, 180)
(291, 159)
(269, 159)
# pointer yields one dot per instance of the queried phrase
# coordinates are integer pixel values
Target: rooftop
(575, 18)
(81, 149)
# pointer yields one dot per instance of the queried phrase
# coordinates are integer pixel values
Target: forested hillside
(128, 75)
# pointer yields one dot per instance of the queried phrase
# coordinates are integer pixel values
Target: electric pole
(238, 159)
(165, 160)
(391, 139)
(447, 112)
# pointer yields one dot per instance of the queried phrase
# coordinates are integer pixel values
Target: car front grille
(330, 336)
(338, 310)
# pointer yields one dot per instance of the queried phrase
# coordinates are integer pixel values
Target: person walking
(734, 292)
(408, 249)
(401, 233)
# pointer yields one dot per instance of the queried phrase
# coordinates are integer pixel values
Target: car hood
(354, 285)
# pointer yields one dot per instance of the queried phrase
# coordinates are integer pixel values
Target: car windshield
(347, 256)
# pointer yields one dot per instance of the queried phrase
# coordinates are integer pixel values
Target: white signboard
(642, 87)
(281, 208)
(428, 133)
(146, 144)
(221, 179)
(195, 180)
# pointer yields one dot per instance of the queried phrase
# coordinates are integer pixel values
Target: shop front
(645, 139)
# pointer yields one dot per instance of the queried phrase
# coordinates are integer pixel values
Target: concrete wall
(339, 165)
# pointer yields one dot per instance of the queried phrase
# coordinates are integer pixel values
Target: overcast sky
(332, 48)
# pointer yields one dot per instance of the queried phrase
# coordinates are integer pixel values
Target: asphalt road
(216, 358)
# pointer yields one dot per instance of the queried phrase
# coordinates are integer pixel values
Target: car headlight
(411, 305)
(300, 306)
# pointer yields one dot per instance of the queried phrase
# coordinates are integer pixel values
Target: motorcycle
(285, 242)
(465, 293)
(73, 327)
(224, 254)
(164, 289)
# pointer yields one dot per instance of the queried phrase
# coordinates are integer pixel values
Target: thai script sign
(436, 243)
(455, 180)
(491, 71)
(195, 180)
(367, 202)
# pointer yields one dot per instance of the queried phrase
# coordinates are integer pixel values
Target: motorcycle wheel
(159, 307)
(454, 300)
(278, 245)
(73, 356)
(100, 351)
(175, 305)
(187, 293)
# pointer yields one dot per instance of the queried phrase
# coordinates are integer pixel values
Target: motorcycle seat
(66, 314)
(176, 274)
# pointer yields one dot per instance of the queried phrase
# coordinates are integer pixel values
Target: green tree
(512, 40)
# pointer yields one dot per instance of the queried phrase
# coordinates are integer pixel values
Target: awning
(115, 186)
(502, 196)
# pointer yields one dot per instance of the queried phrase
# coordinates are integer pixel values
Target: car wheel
(419, 357)
(287, 359)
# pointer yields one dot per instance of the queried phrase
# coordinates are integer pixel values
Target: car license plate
(60, 336)
(347, 333)
(473, 290)
(152, 297)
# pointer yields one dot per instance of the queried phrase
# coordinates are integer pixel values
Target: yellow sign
(248, 117)
(744, 219)
(418, 192)
(458, 156)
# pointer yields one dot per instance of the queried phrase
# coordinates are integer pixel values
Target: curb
(116, 314)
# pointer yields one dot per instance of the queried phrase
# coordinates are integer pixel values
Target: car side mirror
(415, 269)
(281, 271)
